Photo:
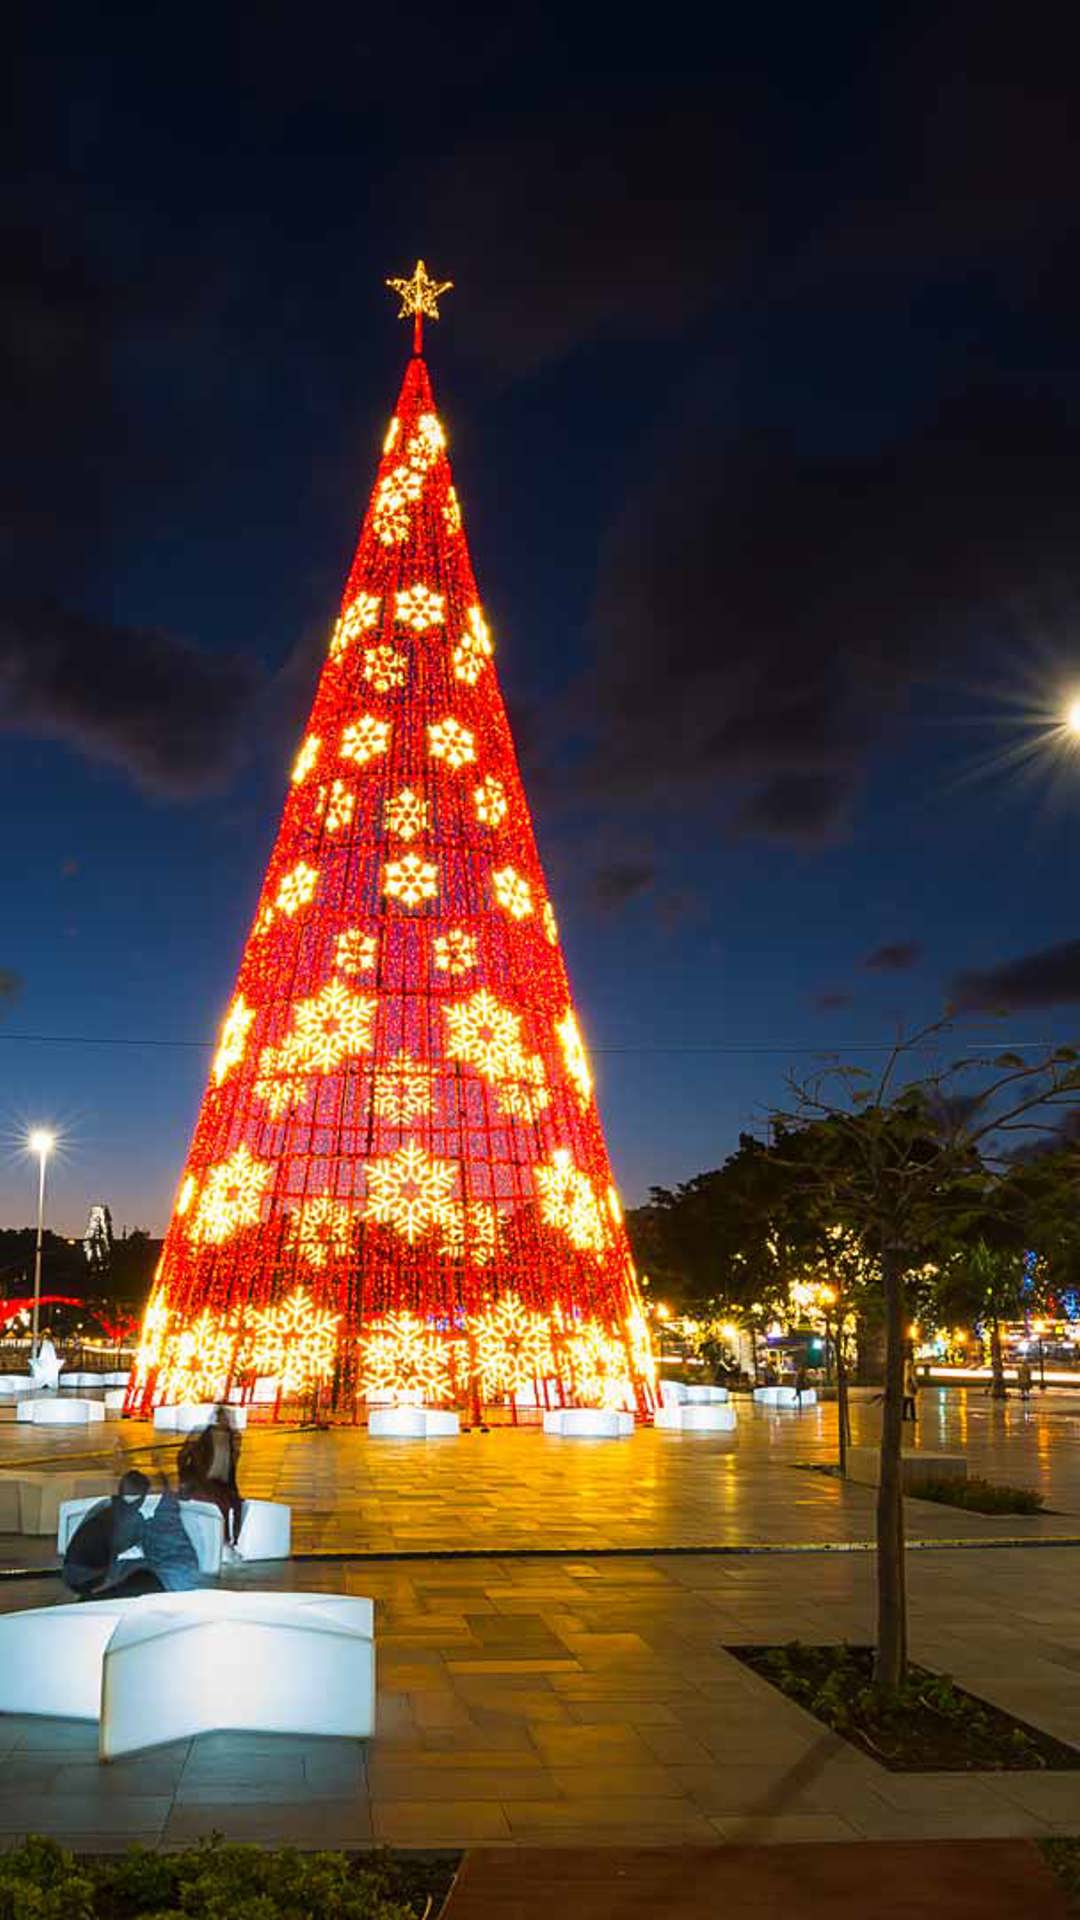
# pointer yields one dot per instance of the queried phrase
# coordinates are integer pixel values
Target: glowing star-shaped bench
(589, 1423)
(61, 1413)
(412, 1423)
(192, 1419)
(689, 1418)
(168, 1666)
(676, 1393)
(784, 1397)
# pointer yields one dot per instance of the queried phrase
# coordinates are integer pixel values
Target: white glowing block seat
(118, 1377)
(265, 1530)
(201, 1520)
(706, 1397)
(31, 1502)
(192, 1419)
(688, 1419)
(784, 1397)
(589, 1423)
(412, 1423)
(17, 1383)
(51, 1657)
(301, 1663)
(61, 1413)
(113, 1401)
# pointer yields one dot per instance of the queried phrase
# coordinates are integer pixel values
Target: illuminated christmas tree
(398, 1182)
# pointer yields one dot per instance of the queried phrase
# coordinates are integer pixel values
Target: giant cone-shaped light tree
(398, 1182)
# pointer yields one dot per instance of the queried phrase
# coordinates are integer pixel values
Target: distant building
(98, 1239)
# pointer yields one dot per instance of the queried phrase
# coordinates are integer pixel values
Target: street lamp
(1072, 717)
(42, 1143)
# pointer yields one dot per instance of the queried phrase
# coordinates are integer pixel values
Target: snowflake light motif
(473, 1229)
(400, 1355)
(574, 1055)
(410, 1192)
(426, 443)
(329, 1028)
(474, 648)
(390, 514)
(296, 889)
(420, 608)
(280, 1086)
(410, 880)
(360, 617)
(568, 1203)
(513, 892)
(642, 1357)
(233, 1038)
(512, 1345)
(486, 1035)
(340, 807)
(198, 1362)
(384, 668)
(599, 1367)
(319, 1227)
(305, 759)
(549, 924)
(231, 1197)
(525, 1099)
(402, 1090)
(407, 814)
(365, 739)
(294, 1343)
(451, 512)
(448, 740)
(489, 798)
(355, 951)
(454, 951)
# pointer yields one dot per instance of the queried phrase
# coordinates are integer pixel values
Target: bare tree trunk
(998, 1390)
(891, 1654)
(843, 1414)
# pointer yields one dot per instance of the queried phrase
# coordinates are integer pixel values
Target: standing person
(208, 1472)
(1023, 1380)
(911, 1388)
(801, 1384)
(92, 1558)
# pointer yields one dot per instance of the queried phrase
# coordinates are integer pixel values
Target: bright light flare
(41, 1142)
(1072, 718)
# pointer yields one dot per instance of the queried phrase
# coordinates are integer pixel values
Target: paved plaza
(546, 1690)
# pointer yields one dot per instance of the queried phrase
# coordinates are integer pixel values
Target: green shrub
(980, 1496)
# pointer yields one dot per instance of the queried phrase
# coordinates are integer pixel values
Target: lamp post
(40, 1142)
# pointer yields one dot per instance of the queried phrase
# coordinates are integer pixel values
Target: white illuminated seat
(51, 1657)
(184, 1664)
(30, 1501)
(265, 1530)
(706, 1397)
(201, 1520)
(61, 1413)
(412, 1423)
(118, 1377)
(17, 1383)
(707, 1418)
(113, 1400)
(192, 1419)
(589, 1423)
(784, 1397)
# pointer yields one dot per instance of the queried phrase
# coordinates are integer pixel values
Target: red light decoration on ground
(398, 1181)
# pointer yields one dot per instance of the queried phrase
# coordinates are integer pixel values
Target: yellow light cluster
(384, 667)
(233, 1038)
(360, 617)
(407, 814)
(599, 1366)
(574, 1055)
(305, 759)
(473, 1231)
(474, 648)
(419, 608)
(296, 890)
(451, 512)
(549, 924)
(513, 892)
(399, 1355)
(294, 1343)
(330, 1027)
(231, 1197)
(339, 807)
(402, 1091)
(527, 1098)
(398, 489)
(568, 1203)
(512, 1347)
(365, 738)
(410, 1192)
(448, 740)
(354, 951)
(318, 1227)
(483, 1034)
(186, 1194)
(489, 798)
(410, 880)
(454, 951)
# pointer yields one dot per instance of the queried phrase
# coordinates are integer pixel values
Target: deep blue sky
(761, 384)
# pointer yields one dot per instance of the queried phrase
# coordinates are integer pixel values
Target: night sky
(761, 384)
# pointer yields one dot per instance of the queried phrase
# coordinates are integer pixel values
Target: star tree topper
(419, 296)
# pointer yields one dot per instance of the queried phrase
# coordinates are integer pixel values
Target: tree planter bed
(932, 1726)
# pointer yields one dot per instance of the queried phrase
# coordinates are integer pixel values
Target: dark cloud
(621, 881)
(167, 713)
(1048, 978)
(832, 1002)
(10, 986)
(763, 612)
(895, 957)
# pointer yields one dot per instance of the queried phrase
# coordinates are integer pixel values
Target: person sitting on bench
(103, 1534)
